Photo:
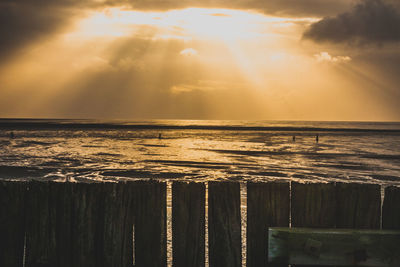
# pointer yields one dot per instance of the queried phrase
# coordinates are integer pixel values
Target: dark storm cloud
(24, 22)
(371, 21)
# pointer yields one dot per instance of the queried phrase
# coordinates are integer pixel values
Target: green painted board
(334, 247)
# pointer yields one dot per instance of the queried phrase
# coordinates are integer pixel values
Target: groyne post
(188, 224)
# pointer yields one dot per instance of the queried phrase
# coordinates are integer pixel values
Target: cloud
(277, 7)
(203, 85)
(326, 57)
(189, 52)
(369, 22)
(25, 22)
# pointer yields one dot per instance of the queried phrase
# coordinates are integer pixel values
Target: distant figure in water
(12, 136)
(159, 136)
(317, 138)
(294, 138)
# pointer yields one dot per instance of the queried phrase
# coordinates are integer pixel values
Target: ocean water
(83, 150)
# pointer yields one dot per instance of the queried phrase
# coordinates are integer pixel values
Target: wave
(42, 124)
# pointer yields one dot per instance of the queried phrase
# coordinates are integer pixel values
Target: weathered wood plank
(61, 201)
(391, 208)
(79, 225)
(313, 205)
(188, 224)
(49, 224)
(117, 225)
(333, 247)
(40, 226)
(358, 206)
(12, 213)
(150, 224)
(224, 224)
(85, 233)
(268, 205)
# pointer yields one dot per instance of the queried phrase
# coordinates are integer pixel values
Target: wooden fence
(78, 224)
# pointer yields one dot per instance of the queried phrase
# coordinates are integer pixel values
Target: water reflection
(200, 155)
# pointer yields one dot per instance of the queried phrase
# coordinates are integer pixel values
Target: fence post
(150, 224)
(86, 221)
(224, 224)
(117, 222)
(12, 213)
(40, 226)
(61, 200)
(358, 206)
(391, 209)
(268, 205)
(313, 205)
(188, 224)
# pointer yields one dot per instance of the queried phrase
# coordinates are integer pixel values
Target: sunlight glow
(201, 23)
(253, 42)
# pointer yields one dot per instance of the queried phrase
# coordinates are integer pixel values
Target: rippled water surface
(200, 150)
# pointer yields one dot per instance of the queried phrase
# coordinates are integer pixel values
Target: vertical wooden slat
(48, 224)
(79, 225)
(188, 224)
(313, 205)
(358, 206)
(61, 200)
(268, 205)
(40, 226)
(116, 224)
(86, 213)
(391, 209)
(12, 210)
(224, 225)
(150, 224)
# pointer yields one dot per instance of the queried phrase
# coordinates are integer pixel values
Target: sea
(199, 150)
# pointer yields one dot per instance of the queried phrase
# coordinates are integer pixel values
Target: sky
(200, 59)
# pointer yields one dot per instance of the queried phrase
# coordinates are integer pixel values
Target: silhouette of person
(294, 138)
(12, 135)
(159, 136)
(317, 138)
